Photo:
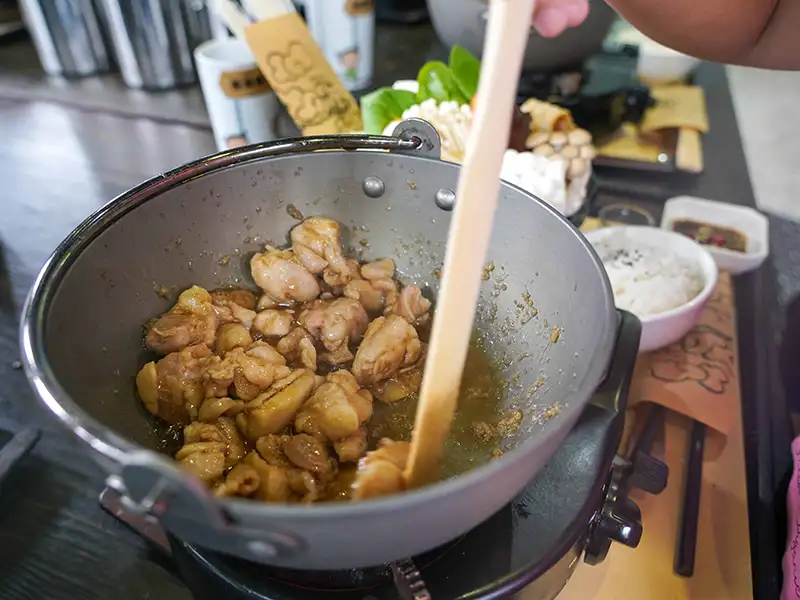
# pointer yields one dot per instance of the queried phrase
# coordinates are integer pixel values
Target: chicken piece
(298, 349)
(232, 335)
(371, 299)
(234, 306)
(270, 448)
(172, 388)
(340, 356)
(336, 278)
(275, 409)
(205, 460)
(335, 323)
(274, 323)
(191, 321)
(411, 305)
(379, 269)
(353, 447)
(400, 385)
(336, 409)
(243, 298)
(203, 452)
(223, 431)
(281, 480)
(304, 484)
(308, 453)
(250, 371)
(234, 443)
(390, 343)
(281, 275)
(316, 244)
(265, 302)
(213, 408)
(273, 481)
(242, 480)
(380, 472)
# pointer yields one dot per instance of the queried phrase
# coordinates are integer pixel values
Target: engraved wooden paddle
(468, 239)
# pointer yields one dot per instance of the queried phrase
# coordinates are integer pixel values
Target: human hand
(552, 17)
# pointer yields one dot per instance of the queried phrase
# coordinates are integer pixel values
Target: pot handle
(152, 489)
(411, 136)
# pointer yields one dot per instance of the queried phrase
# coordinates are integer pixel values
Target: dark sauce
(711, 235)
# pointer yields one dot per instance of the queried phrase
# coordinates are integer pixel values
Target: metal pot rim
(120, 450)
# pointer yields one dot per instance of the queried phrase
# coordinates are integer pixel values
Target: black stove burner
(533, 543)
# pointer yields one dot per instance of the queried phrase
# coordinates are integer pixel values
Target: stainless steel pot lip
(116, 448)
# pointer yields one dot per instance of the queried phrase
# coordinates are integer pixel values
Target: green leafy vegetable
(383, 106)
(465, 69)
(457, 82)
(436, 81)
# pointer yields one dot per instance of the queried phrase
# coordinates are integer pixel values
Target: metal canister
(154, 40)
(68, 35)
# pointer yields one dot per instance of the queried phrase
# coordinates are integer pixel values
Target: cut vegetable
(436, 81)
(466, 70)
(383, 106)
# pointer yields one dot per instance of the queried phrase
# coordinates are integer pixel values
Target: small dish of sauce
(711, 235)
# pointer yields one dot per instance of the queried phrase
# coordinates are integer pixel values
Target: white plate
(748, 221)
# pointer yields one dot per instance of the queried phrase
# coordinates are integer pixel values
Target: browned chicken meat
(402, 384)
(209, 448)
(389, 344)
(298, 349)
(172, 388)
(336, 324)
(191, 321)
(274, 323)
(380, 472)
(283, 277)
(240, 374)
(275, 409)
(250, 371)
(375, 287)
(315, 242)
(234, 306)
(411, 305)
(337, 409)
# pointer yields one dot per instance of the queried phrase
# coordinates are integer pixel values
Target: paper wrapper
(297, 70)
(699, 375)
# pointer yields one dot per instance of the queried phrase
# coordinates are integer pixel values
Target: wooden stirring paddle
(469, 235)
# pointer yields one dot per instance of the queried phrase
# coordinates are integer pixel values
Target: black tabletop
(68, 147)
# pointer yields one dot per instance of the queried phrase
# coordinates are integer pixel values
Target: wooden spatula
(468, 239)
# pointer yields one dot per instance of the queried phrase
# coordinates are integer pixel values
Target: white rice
(649, 280)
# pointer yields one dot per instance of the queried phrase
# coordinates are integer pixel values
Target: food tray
(748, 221)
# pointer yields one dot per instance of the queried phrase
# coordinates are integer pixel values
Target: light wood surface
(469, 235)
(689, 150)
(722, 570)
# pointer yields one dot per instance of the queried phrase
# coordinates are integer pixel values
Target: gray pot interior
(203, 231)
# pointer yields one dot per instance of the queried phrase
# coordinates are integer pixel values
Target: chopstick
(687, 537)
(469, 236)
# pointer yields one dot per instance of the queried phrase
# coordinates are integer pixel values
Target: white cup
(345, 31)
(239, 101)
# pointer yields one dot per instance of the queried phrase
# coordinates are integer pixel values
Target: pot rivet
(445, 199)
(373, 187)
(262, 549)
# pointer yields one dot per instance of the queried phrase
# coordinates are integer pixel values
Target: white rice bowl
(662, 277)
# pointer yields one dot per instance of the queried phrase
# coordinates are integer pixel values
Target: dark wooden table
(68, 147)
